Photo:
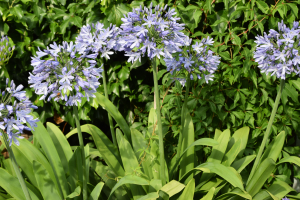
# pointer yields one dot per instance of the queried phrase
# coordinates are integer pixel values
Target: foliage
(239, 96)
(132, 169)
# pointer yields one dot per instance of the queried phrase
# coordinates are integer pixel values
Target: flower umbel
(14, 112)
(151, 31)
(6, 50)
(196, 60)
(97, 39)
(64, 74)
(278, 52)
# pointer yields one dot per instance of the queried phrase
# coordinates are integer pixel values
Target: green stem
(84, 180)
(160, 134)
(266, 136)
(184, 107)
(16, 167)
(111, 125)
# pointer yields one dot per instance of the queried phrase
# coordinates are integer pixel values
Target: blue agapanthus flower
(6, 50)
(97, 39)
(151, 32)
(61, 73)
(285, 198)
(197, 60)
(278, 52)
(15, 112)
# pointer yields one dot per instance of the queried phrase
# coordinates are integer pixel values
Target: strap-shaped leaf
(227, 173)
(209, 195)
(48, 146)
(62, 145)
(172, 188)
(113, 111)
(189, 190)
(260, 176)
(106, 148)
(44, 181)
(129, 179)
(96, 191)
(12, 186)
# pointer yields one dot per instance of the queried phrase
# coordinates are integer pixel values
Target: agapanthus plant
(6, 50)
(194, 61)
(15, 109)
(151, 32)
(97, 39)
(277, 53)
(68, 76)
(60, 73)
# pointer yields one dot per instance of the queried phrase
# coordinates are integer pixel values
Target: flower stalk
(184, 107)
(267, 133)
(159, 124)
(111, 125)
(80, 138)
(16, 167)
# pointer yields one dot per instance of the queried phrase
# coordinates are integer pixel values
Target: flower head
(197, 60)
(97, 39)
(15, 112)
(6, 50)
(64, 74)
(277, 52)
(151, 32)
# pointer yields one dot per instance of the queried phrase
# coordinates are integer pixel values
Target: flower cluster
(14, 112)
(65, 74)
(152, 32)
(97, 39)
(197, 60)
(278, 52)
(6, 50)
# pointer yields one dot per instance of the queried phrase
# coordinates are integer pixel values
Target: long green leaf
(172, 188)
(290, 159)
(202, 141)
(240, 164)
(110, 179)
(129, 179)
(96, 191)
(187, 158)
(280, 189)
(274, 149)
(217, 154)
(209, 195)
(227, 173)
(242, 135)
(45, 183)
(218, 151)
(150, 196)
(106, 148)
(12, 186)
(130, 163)
(26, 153)
(62, 145)
(139, 143)
(113, 111)
(189, 190)
(260, 176)
(234, 193)
(46, 142)
(232, 153)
